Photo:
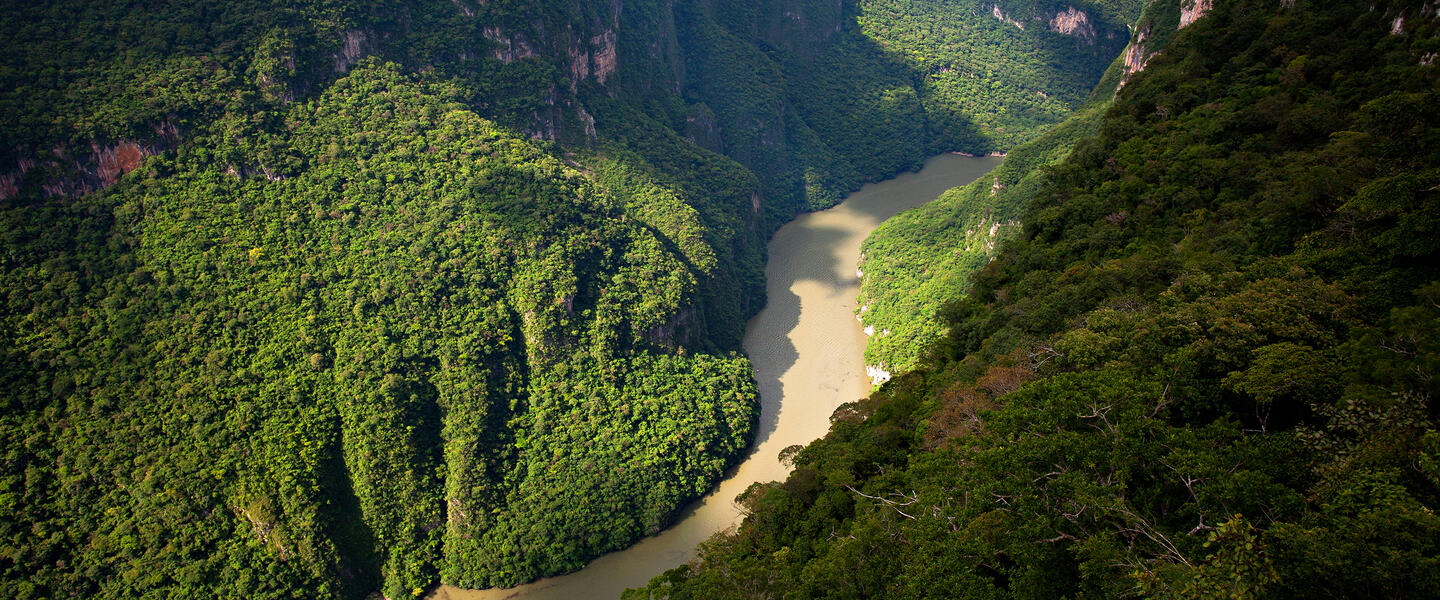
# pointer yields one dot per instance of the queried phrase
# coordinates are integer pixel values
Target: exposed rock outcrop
(9, 186)
(604, 59)
(507, 48)
(877, 374)
(1073, 22)
(1192, 10)
(67, 175)
(682, 329)
(117, 160)
(354, 45)
(1136, 55)
(588, 121)
(597, 60)
(1004, 18)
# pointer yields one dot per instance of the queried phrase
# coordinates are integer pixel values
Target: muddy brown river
(807, 350)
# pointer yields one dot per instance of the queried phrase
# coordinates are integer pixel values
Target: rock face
(1073, 22)
(1139, 52)
(9, 186)
(682, 329)
(355, 45)
(118, 160)
(877, 374)
(1136, 55)
(84, 173)
(604, 59)
(1192, 10)
(597, 59)
(1004, 18)
(508, 48)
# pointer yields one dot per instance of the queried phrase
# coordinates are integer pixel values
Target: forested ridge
(320, 299)
(1203, 368)
(468, 363)
(919, 260)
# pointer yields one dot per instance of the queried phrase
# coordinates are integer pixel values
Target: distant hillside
(916, 262)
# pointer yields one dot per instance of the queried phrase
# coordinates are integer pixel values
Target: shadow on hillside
(359, 565)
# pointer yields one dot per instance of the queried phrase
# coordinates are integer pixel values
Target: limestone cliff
(1153, 31)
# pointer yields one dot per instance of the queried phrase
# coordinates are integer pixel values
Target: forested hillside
(406, 357)
(818, 96)
(1204, 368)
(919, 260)
(315, 299)
(992, 75)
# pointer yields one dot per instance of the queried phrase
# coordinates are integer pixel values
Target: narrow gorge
(415, 298)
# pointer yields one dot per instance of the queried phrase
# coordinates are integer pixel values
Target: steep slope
(916, 262)
(993, 75)
(1204, 368)
(428, 335)
(315, 298)
(817, 96)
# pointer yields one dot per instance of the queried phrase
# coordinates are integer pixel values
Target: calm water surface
(807, 349)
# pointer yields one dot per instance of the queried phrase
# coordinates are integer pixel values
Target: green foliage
(313, 299)
(918, 261)
(915, 262)
(1237, 568)
(408, 356)
(816, 97)
(1203, 368)
(991, 81)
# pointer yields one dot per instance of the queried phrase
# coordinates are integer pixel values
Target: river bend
(807, 349)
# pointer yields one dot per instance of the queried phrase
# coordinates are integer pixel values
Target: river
(807, 350)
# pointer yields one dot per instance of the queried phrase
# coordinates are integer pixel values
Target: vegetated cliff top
(1204, 368)
(918, 261)
(322, 298)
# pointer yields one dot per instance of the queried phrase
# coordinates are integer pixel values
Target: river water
(807, 349)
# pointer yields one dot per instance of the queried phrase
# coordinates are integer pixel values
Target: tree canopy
(1204, 367)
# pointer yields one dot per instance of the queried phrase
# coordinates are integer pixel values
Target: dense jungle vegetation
(313, 299)
(411, 355)
(919, 260)
(1204, 368)
(818, 96)
(993, 82)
